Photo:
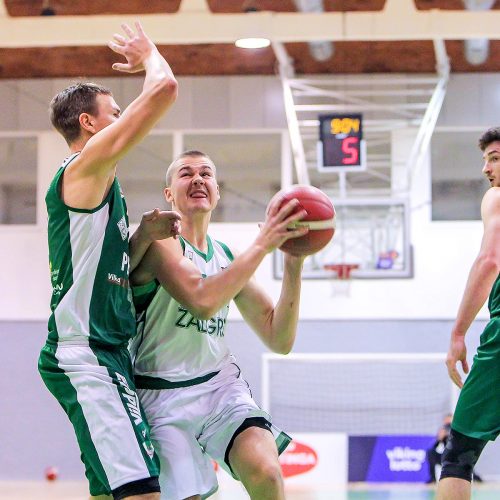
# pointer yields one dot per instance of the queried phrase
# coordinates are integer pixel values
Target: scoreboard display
(341, 143)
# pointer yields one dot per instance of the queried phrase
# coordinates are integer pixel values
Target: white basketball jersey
(171, 343)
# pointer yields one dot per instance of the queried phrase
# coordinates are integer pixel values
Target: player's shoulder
(490, 206)
(492, 196)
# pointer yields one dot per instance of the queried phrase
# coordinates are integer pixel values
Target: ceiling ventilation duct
(477, 49)
(320, 50)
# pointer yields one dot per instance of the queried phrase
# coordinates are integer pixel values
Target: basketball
(320, 219)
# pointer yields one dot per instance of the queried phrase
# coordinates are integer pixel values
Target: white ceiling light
(252, 43)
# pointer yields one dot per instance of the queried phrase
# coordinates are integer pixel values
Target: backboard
(370, 233)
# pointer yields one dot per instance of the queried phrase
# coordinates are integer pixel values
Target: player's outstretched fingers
(119, 39)
(128, 30)
(116, 47)
(138, 27)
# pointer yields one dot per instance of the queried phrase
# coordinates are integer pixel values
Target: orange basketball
(320, 219)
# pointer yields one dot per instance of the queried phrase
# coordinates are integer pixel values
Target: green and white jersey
(89, 267)
(172, 344)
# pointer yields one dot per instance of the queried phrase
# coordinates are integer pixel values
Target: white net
(359, 394)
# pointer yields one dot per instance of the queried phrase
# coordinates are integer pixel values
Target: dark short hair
(67, 106)
(491, 135)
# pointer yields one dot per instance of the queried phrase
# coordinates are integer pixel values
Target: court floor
(67, 490)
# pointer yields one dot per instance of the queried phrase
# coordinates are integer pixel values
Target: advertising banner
(389, 458)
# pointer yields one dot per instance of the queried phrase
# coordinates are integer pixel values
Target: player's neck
(195, 229)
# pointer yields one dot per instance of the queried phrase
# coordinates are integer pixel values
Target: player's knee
(268, 474)
(460, 456)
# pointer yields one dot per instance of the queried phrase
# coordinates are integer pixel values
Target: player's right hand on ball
(275, 229)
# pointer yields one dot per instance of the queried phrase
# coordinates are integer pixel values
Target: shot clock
(341, 146)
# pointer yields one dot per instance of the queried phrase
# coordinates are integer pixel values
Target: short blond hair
(192, 153)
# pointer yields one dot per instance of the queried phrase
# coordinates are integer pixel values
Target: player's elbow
(282, 347)
(165, 91)
(490, 261)
(203, 311)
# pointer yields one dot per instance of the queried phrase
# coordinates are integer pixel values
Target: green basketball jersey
(494, 299)
(89, 267)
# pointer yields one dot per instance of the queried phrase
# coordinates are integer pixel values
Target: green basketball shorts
(96, 390)
(477, 413)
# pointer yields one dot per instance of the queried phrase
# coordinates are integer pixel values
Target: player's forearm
(159, 75)
(483, 274)
(139, 244)
(214, 292)
(283, 322)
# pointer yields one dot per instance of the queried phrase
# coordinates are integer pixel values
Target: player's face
(107, 112)
(193, 187)
(491, 168)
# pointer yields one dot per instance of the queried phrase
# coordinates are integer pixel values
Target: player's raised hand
(135, 47)
(457, 353)
(160, 224)
(276, 228)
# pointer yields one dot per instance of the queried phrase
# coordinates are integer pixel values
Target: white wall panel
(489, 91)
(33, 104)
(462, 102)
(9, 119)
(246, 99)
(211, 103)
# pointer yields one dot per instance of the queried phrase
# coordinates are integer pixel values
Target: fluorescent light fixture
(252, 43)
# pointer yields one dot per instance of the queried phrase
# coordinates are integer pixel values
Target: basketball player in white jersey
(197, 403)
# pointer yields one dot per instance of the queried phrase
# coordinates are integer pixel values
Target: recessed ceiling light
(252, 43)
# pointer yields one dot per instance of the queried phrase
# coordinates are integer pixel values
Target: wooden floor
(67, 490)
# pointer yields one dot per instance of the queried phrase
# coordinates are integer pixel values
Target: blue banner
(389, 458)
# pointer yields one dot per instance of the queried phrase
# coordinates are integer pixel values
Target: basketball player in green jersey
(477, 416)
(85, 362)
(198, 405)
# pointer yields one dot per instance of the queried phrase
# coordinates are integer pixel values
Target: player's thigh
(176, 419)
(478, 406)
(185, 469)
(254, 452)
(232, 411)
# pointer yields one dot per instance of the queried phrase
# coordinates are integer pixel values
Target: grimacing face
(193, 187)
(491, 168)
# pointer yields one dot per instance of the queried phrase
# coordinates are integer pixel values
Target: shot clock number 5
(341, 146)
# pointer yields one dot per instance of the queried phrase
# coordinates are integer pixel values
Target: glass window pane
(142, 175)
(458, 184)
(248, 172)
(18, 170)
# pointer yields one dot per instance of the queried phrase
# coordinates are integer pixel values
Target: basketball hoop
(341, 277)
